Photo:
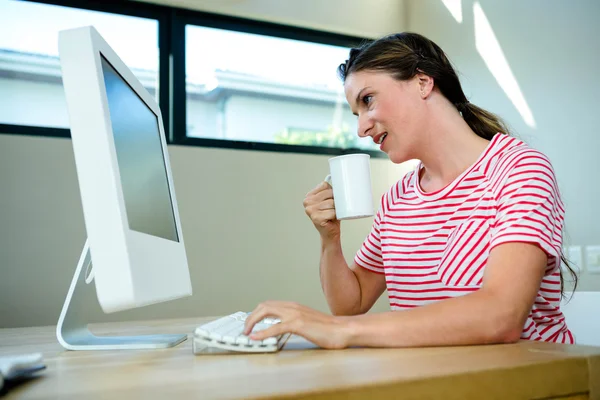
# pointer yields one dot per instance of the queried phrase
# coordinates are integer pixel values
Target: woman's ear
(425, 84)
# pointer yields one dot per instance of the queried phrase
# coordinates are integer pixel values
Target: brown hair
(403, 55)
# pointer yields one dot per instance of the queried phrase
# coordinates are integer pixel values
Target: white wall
(552, 49)
(351, 17)
(582, 316)
(246, 233)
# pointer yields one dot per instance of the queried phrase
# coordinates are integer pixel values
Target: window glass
(255, 88)
(30, 76)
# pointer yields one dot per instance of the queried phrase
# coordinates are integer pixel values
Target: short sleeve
(369, 256)
(529, 207)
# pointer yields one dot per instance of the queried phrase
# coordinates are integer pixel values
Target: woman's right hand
(319, 206)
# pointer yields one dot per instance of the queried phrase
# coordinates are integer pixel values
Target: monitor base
(72, 331)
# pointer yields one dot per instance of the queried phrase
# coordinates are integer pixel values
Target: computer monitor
(134, 238)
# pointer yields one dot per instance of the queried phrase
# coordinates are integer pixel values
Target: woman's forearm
(475, 318)
(340, 285)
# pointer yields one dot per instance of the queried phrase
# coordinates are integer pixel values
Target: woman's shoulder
(519, 167)
(400, 187)
(513, 154)
(404, 184)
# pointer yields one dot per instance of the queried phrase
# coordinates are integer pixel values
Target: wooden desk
(522, 370)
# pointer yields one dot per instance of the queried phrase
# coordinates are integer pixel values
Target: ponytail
(482, 122)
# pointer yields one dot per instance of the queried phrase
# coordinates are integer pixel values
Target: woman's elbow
(509, 335)
(505, 330)
(344, 312)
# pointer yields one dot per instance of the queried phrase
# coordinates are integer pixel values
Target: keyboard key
(242, 339)
(270, 341)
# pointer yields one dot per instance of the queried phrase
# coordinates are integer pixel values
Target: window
(255, 88)
(30, 78)
(227, 81)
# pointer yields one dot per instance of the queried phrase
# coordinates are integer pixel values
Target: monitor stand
(72, 331)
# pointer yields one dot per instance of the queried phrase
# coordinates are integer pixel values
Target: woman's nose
(364, 125)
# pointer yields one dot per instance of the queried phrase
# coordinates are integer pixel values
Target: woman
(468, 245)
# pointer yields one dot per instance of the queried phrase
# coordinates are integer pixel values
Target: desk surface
(521, 370)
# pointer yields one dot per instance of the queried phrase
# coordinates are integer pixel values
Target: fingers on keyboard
(229, 330)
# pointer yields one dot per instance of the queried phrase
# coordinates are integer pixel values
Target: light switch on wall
(592, 259)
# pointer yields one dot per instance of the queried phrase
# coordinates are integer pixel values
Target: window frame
(172, 22)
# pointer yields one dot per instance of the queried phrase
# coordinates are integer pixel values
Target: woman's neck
(449, 147)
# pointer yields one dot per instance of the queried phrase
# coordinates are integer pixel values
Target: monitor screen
(140, 158)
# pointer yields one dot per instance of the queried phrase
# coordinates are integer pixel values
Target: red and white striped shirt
(435, 246)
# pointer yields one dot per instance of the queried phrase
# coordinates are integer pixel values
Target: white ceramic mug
(350, 177)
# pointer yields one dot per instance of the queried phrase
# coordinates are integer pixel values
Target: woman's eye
(367, 99)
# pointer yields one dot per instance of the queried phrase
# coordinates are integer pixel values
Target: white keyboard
(225, 335)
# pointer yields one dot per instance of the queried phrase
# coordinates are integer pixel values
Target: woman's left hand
(326, 331)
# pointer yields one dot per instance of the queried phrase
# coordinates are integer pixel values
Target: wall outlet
(592, 259)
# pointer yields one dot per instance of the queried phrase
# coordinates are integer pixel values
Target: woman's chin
(397, 158)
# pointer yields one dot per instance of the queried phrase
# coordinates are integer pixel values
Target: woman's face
(389, 111)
